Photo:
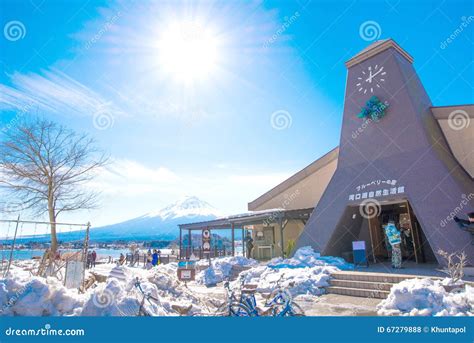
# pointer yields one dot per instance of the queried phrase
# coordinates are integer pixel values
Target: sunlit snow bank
(427, 297)
(25, 295)
(307, 257)
(306, 268)
(310, 280)
(221, 269)
(305, 273)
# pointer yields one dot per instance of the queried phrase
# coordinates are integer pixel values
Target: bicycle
(282, 304)
(232, 307)
(142, 312)
(279, 302)
(181, 310)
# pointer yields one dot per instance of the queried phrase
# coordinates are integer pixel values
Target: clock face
(371, 79)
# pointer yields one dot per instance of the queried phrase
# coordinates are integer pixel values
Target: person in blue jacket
(394, 239)
(154, 258)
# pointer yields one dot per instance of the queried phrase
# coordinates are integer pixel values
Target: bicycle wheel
(295, 311)
(235, 309)
(239, 310)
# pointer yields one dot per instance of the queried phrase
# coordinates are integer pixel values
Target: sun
(188, 51)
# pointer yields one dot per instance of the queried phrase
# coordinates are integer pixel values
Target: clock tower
(391, 150)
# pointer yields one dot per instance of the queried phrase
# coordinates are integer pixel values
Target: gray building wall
(406, 145)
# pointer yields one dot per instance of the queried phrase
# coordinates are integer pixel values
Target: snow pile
(25, 295)
(309, 280)
(221, 269)
(305, 273)
(111, 299)
(167, 296)
(427, 297)
(119, 272)
(306, 257)
(173, 295)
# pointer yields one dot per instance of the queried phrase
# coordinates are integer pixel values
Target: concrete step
(371, 277)
(368, 285)
(357, 292)
(381, 286)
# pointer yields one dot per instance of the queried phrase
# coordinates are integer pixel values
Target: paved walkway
(408, 267)
(337, 305)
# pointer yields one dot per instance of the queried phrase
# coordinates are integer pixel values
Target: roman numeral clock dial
(371, 79)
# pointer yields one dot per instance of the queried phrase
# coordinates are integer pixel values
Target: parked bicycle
(142, 312)
(232, 307)
(279, 303)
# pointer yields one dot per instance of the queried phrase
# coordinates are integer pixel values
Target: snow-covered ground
(427, 297)
(305, 276)
(21, 293)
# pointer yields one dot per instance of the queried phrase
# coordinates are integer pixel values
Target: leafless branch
(45, 166)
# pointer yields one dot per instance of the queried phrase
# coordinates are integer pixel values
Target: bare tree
(45, 166)
(455, 264)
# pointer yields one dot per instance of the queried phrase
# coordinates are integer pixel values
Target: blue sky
(97, 67)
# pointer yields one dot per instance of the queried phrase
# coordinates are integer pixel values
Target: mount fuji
(158, 225)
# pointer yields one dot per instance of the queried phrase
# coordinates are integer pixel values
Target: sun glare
(188, 51)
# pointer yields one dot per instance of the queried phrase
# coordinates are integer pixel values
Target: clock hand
(369, 79)
(377, 72)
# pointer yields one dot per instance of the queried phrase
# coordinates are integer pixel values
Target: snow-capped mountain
(161, 224)
(187, 207)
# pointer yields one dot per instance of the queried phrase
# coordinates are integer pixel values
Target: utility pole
(13, 245)
(84, 256)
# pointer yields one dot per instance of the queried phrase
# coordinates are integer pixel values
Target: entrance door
(405, 220)
(377, 240)
(419, 256)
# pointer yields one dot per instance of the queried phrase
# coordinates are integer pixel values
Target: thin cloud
(55, 92)
(127, 177)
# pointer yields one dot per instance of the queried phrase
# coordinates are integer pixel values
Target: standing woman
(394, 239)
(154, 258)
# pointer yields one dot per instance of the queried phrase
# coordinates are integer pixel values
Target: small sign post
(206, 243)
(359, 253)
(186, 271)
